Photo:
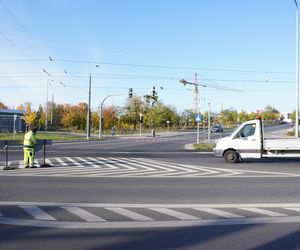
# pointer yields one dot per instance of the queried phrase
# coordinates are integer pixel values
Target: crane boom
(196, 85)
(215, 86)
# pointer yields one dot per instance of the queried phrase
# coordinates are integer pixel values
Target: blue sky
(244, 45)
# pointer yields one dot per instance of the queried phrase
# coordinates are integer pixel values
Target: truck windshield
(248, 130)
(236, 130)
(244, 130)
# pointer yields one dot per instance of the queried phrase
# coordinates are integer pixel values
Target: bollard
(6, 167)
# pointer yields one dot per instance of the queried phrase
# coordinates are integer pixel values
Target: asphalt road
(144, 193)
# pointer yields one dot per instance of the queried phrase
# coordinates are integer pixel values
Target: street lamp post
(88, 132)
(208, 132)
(297, 71)
(100, 115)
(46, 111)
(101, 111)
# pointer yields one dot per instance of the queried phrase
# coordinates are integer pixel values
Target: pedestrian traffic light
(141, 119)
(130, 93)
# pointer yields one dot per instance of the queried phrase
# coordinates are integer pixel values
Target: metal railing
(5, 144)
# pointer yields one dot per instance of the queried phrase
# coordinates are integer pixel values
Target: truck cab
(244, 142)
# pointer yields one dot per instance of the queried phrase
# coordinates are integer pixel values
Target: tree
(109, 118)
(20, 107)
(228, 117)
(132, 110)
(159, 114)
(2, 106)
(270, 114)
(30, 117)
(74, 116)
(187, 117)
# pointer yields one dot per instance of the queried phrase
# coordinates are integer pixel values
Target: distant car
(216, 129)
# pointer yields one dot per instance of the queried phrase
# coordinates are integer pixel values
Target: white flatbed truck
(248, 141)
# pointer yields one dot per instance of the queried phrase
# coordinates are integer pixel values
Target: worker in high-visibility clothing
(28, 148)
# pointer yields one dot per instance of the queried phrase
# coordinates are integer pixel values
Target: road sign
(198, 118)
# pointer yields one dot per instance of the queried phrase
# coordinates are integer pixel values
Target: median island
(204, 147)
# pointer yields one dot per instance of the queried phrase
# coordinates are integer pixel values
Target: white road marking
(106, 162)
(43, 219)
(263, 211)
(219, 213)
(83, 214)
(188, 169)
(61, 161)
(86, 162)
(75, 162)
(185, 169)
(147, 205)
(21, 164)
(148, 224)
(37, 213)
(48, 161)
(136, 167)
(137, 163)
(176, 214)
(297, 209)
(93, 161)
(130, 214)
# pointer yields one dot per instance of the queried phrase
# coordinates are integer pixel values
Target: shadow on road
(209, 237)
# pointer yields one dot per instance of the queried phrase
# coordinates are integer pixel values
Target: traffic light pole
(101, 111)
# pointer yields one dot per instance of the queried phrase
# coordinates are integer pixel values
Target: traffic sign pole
(198, 119)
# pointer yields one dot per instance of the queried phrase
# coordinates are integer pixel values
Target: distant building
(12, 120)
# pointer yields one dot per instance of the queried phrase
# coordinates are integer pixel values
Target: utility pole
(52, 105)
(88, 132)
(297, 72)
(196, 95)
(208, 132)
(89, 111)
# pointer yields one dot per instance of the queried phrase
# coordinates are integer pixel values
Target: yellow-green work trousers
(28, 156)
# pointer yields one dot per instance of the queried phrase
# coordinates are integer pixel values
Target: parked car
(216, 129)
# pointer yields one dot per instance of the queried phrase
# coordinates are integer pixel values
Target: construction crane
(196, 90)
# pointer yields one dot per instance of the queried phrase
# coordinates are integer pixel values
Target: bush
(204, 147)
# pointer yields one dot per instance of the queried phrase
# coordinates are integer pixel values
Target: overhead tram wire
(140, 77)
(27, 56)
(157, 66)
(177, 67)
(30, 35)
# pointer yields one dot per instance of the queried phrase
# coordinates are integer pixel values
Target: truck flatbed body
(282, 144)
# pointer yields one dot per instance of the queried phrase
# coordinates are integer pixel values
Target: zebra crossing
(97, 215)
(129, 167)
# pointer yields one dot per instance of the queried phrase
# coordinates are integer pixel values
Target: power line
(19, 49)
(138, 77)
(25, 29)
(29, 34)
(157, 66)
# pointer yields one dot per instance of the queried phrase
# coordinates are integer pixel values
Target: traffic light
(141, 118)
(130, 93)
(153, 91)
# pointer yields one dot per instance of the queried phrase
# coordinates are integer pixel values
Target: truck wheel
(231, 156)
